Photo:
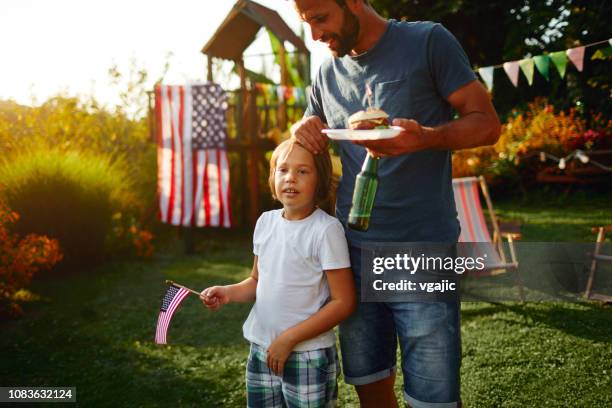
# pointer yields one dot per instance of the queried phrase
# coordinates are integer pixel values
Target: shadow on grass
(585, 320)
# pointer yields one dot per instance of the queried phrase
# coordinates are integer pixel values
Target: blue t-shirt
(412, 69)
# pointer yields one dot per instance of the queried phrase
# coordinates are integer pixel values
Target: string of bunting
(282, 93)
(580, 155)
(528, 66)
(541, 63)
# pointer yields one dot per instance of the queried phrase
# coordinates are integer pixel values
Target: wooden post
(209, 73)
(243, 98)
(282, 108)
(249, 156)
(243, 156)
(254, 152)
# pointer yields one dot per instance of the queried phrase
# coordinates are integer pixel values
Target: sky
(67, 46)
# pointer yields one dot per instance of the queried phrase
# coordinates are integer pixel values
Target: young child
(302, 286)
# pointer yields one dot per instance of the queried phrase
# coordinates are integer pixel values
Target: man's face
(330, 23)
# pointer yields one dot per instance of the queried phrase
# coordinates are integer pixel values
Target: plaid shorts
(310, 379)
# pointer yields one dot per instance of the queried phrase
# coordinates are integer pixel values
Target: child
(302, 286)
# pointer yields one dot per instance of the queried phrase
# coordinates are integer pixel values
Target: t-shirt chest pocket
(337, 109)
(394, 97)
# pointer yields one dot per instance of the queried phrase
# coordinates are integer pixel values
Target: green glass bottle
(366, 184)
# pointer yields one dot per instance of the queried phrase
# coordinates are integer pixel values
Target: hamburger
(369, 119)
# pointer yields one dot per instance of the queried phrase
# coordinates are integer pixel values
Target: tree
(497, 31)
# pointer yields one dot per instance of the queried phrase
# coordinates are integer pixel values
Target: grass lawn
(95, 331)
(560, 216)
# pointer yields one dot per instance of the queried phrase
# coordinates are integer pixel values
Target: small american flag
(172, 299)
(193, 169)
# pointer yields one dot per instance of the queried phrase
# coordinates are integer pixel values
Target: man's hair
(342, 3)
(322, 163)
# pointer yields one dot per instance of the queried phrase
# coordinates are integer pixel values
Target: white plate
(373, 134)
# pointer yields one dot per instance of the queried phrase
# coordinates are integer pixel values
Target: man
(418, 73)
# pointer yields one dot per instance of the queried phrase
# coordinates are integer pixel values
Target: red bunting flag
(512, 70)
(576, 55)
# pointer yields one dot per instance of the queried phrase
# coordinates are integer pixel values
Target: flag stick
(169, 282)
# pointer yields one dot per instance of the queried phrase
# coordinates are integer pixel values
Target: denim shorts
(429, 338)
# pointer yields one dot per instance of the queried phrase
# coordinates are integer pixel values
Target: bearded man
(419, 75)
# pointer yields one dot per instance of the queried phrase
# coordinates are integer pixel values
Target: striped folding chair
(474, 229)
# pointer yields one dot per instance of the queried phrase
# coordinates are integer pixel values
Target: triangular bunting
(280, 93)
(512, 70)
(542, 63)
(486, 74)
(560, 60)
(576, 55)
(527, 68)
(602, 54)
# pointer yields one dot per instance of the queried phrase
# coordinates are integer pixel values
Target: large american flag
(172, 299)
(193, 169)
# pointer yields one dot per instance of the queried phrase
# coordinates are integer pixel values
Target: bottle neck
(370, 164)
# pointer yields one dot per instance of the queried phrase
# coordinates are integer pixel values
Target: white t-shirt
(292, 286)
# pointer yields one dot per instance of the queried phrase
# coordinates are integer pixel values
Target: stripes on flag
(171, 301)
(193, 184)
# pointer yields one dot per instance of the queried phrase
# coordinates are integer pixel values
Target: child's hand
(278, 353)
(215, 297)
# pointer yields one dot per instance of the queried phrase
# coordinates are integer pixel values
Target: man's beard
(349, 32)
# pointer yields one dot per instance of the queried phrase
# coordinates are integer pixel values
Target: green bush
(71, 196)
(75, 124)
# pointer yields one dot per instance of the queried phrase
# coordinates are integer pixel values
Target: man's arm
(307, 131)
(478, 125)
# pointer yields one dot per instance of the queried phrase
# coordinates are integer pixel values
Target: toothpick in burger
(369, 119)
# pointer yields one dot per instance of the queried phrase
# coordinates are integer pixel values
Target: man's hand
(215, 297)
(478, 125)
(411, 139)
(278, 353)
(308, 133)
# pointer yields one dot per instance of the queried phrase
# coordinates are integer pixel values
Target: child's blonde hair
(322, 164)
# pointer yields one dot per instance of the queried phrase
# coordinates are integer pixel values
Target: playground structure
(256, 118)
